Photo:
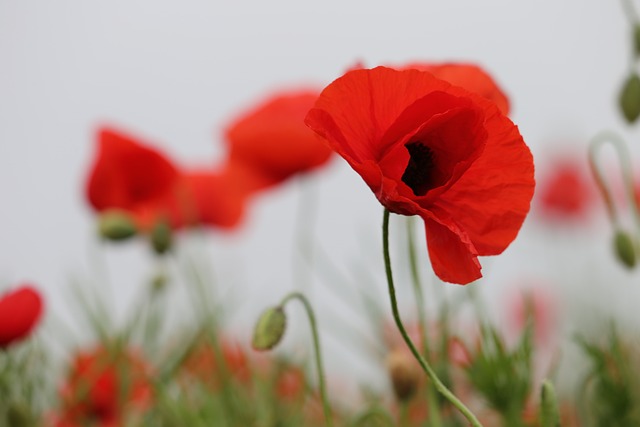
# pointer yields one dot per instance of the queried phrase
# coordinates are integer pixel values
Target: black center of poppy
(419, 172)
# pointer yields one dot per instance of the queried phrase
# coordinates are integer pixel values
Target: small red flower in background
(104, 388)
(566, 192)
(435, 150)
(272, 140)
(469, 76)
(20, 311)
(537, 306)
(203, 363)
(131, 176)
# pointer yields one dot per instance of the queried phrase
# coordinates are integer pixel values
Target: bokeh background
(176, 73)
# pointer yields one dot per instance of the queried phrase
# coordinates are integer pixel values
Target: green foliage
(503, 376)
(610, 393)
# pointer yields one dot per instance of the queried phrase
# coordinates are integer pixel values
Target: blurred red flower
(272, 141)
(20, 310)
(468, 76)
(566, 192)
(131, 176)
(105, 388)
(435, 150)
(203, 362)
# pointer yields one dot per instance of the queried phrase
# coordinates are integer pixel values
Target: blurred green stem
(396, 315)
(317, 352)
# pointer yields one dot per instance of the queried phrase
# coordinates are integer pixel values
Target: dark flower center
(419, 174)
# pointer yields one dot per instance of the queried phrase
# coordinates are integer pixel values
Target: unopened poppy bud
(269, 329)
(624, 248)
(404, 374)
(161, 237)
(116, 225)
(630, 98)
(549, 414)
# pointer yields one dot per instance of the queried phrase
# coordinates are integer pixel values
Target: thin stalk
(396, 315)
(316, 350)
(627, 174)
(434, 412)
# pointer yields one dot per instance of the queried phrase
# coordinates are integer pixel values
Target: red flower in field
(105, 388)
(272, 140)
(203, 362)
(20, 311)
(427, 148)
(468, 76)
(129, 175)
(566, 192)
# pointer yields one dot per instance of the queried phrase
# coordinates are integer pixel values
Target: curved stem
(316, 350)
(625, 164)
(396, 315)
(434, 412)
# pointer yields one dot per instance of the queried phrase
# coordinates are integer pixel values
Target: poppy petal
(127, 172)
(453, 257)
(20, 311)
(273, 140)
(495, 192)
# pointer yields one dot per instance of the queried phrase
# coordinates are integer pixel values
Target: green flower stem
(316, 349)
(396, 315)
(434, 411)
(627, 174)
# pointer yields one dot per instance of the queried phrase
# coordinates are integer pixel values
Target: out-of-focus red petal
(469, 76)
(491, 200)
(453, 257)
(273, 140)
(127, 172)
(20, 311)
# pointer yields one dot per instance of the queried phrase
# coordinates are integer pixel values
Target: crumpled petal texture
(426, 147)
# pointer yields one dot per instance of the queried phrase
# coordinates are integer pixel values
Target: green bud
(159, 283)
(630, 98)
(161, 237)
(116, 225)
(624, 249)
(549, 414)
(269, 329)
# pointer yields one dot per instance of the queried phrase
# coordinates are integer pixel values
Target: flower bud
(161, 237)
(404, 374)
(549, 414)
(269, 329)
(116, 225)
(624, 249)
(630, 98)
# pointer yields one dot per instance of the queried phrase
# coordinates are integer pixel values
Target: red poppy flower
(469, 76)
(273, 141)
(566, 192)
(203, 362)
(20, 311)
(104, 388)
(131, 176)
(435, 150)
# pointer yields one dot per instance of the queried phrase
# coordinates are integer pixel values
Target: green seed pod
(269, 329)
(630, 98)
(549, 414)
(116, 225)
(624, 249)
(161, 237)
